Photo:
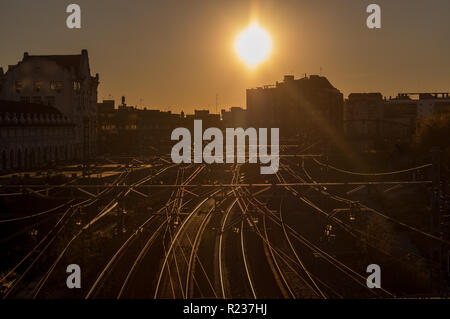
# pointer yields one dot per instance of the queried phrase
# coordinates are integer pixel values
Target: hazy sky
(179, 54)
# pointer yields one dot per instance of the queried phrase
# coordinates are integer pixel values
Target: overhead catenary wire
(371, 174)
(403, 224)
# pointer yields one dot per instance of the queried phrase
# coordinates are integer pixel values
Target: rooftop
(23, 107)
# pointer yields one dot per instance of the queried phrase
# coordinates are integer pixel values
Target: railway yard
(148, 228)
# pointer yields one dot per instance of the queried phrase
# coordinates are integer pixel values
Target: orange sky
(178, 55)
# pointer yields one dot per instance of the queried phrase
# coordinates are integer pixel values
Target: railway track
(33, 262)
(182, 264)
(350, 273)
(17, 274)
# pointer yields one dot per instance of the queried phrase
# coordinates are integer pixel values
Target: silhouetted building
(363, 115)
(61, 81)
(155, 129)
(106, 106)
(235, 117)
(399, 120)
(208, 119)
(428, 104)
(129, 130)
(372, 122)
(308, 107)
(34, 135)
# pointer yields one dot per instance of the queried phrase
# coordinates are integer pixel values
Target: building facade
(60, 81)
(373, 122)
(363, 115)
(129, 130)
(308, 107)
(33, 135)
(235, 117)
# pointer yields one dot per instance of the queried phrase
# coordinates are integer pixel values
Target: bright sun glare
(253, 45)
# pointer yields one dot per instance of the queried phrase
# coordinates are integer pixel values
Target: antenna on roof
(217, 101)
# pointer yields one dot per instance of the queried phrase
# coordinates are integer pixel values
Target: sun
(253, 45)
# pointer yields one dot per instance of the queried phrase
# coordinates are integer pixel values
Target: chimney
(25, 55)
(84, 52)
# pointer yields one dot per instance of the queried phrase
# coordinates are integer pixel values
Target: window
(50, 100)
(36, 99)
(56, 86)
(19, 86)
(25, 99)
(77, 86)
(37, 86)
